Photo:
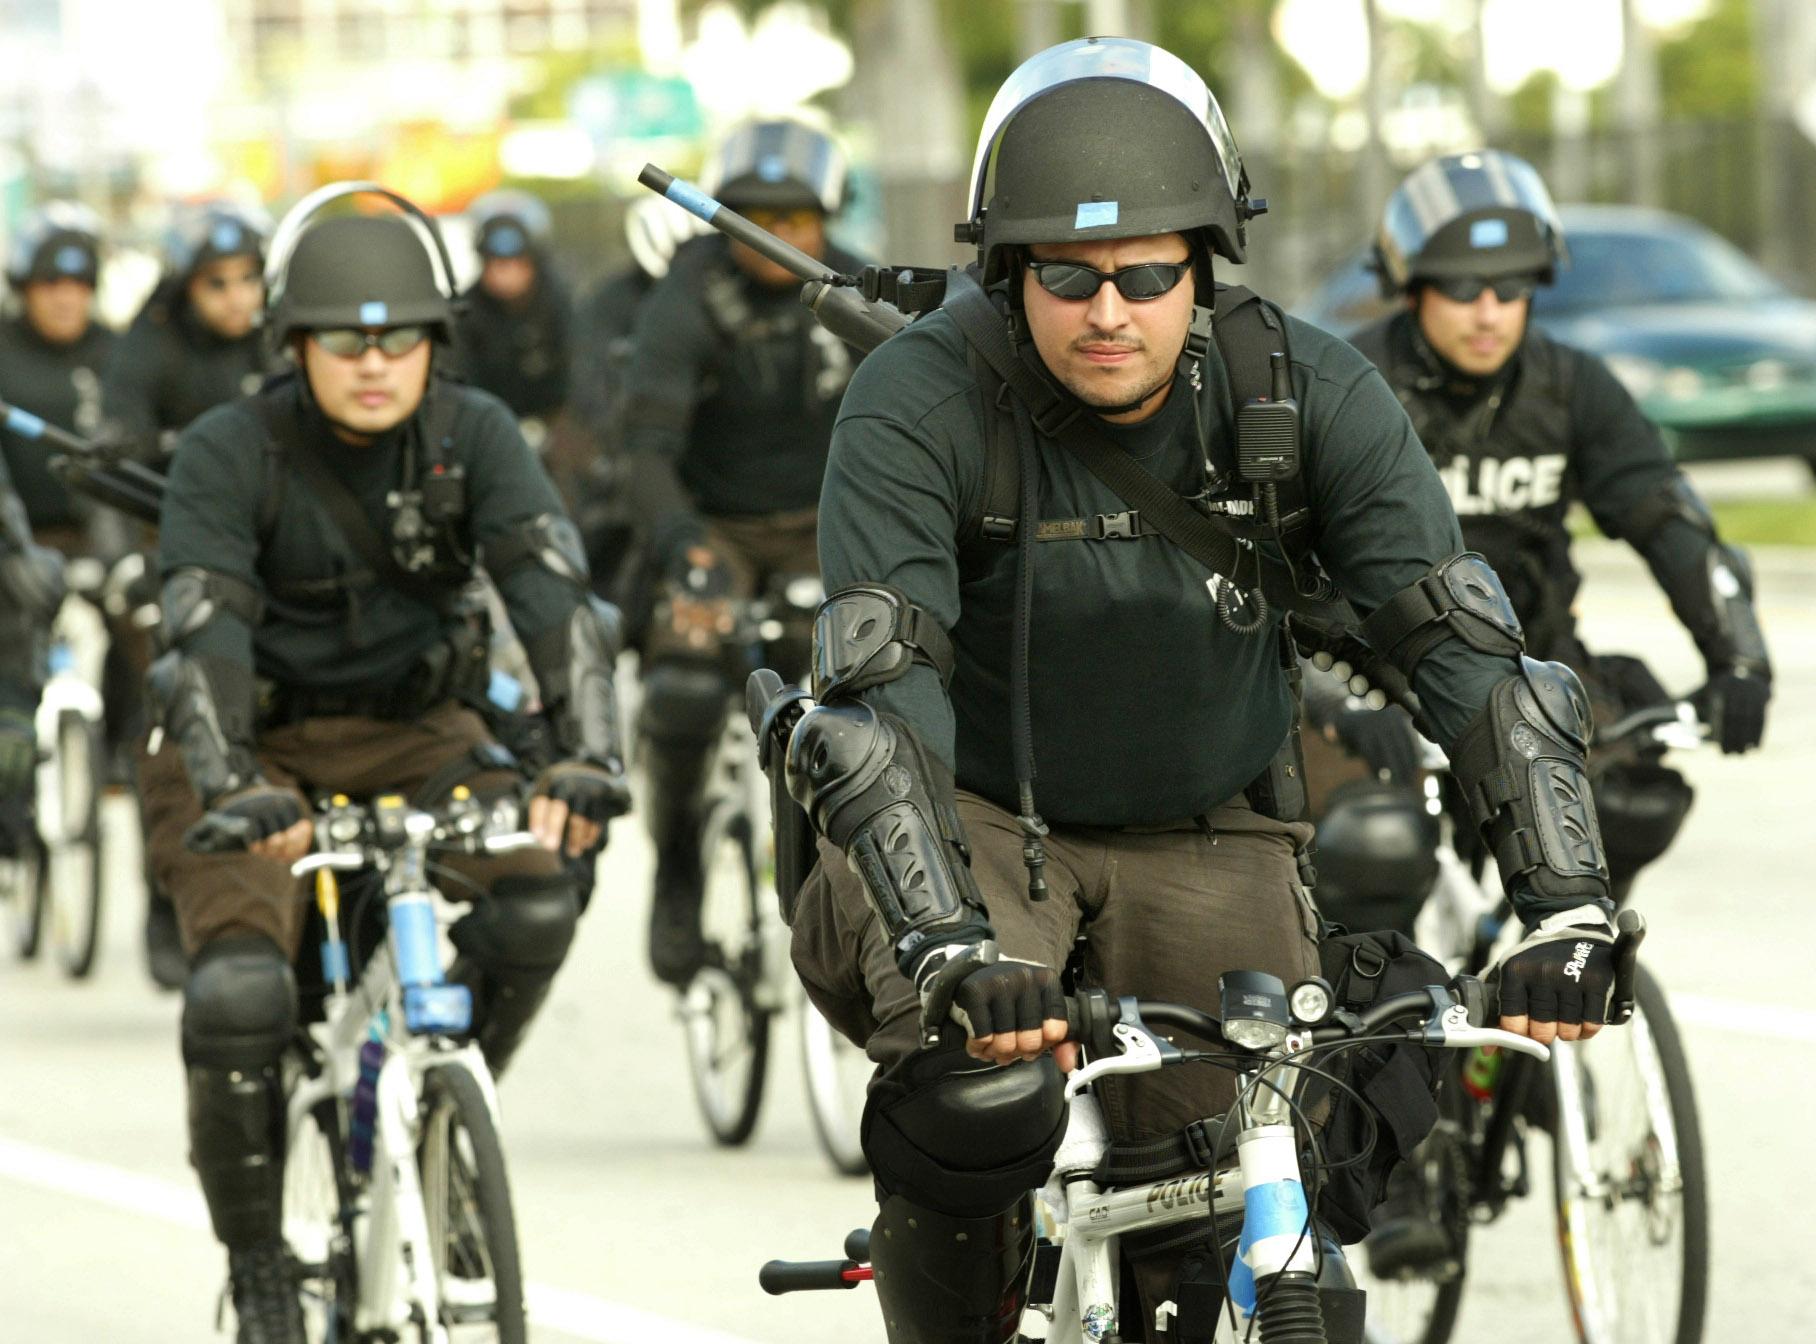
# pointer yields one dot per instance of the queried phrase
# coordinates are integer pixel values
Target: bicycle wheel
(319, 1204)
(74, 849)
(838, 1073)
(467, 1199)
(1423, 1308)
(22, 891)
(1632, 1201)
(726, 1028)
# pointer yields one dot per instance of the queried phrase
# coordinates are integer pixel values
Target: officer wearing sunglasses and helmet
(954, 877)
(729, 402)
(318, 547)
(1520, 427)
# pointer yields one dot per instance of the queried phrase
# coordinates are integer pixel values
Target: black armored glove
(244, 817)
(590, 790)
(1563, 971)
(18, 753)
(1733, 703)
(984, 992)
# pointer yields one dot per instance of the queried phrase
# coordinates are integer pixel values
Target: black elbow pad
(1521, 766)
(1460, 599)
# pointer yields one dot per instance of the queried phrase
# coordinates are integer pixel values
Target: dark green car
(1717, 353)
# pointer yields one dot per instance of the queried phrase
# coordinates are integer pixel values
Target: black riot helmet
(387, 270)
(1105, 137)
(213, 232)
(59, 241)
(510, 224)
(1485, 213)
(778, 164)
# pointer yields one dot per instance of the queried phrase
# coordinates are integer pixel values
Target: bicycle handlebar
(797, 1276)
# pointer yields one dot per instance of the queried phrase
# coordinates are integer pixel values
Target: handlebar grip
(1473, 995)
(857, 1245)
(1630, 932)
(218, 833)
(804, 1276)
(1090, 1015)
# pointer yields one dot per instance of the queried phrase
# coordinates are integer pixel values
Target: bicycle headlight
(1254, 1009)
(1310, 1001)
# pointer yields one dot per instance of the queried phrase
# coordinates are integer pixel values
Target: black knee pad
(684, 702)
(239, 1007)
(526, 924)
(961, 1137)
(1377, 856)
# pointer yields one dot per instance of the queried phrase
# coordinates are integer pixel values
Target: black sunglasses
(1468, 288)
(351, 342)
(1138, 284)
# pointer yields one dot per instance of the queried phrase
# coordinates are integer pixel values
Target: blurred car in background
(1718, 354)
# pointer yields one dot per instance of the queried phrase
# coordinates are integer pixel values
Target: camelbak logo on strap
(1096, 214)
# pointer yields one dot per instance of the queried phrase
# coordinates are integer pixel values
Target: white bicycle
(729, 1007)
(1286, 1277)
(397, 1207)
(55, 884)
(1629, 1183)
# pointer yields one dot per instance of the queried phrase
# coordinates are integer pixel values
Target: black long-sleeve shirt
(168, 369)
(60, 384)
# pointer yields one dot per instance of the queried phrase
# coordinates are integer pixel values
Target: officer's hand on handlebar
(574, 800)
(265, 819)
(1733, 704)
(1555, 985)
(1010, 1010)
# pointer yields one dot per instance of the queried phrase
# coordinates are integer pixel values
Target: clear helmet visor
(775, 162)
(1446, 189)
(1103, 58)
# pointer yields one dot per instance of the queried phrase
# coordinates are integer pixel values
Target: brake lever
(1453, 1031)
(1141, 1052)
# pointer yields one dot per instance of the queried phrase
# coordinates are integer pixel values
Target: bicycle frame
(392, 1251)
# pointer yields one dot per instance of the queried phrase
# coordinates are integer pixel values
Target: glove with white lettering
(974, 985)
(1563, 971)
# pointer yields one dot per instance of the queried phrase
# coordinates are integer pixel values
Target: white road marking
(578, 1314)
(1746, 1017)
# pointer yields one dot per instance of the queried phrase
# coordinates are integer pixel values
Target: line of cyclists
(350, 444)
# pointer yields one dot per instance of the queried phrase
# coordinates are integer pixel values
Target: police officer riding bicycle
(318, 547)
(729, 405)
(975, 631)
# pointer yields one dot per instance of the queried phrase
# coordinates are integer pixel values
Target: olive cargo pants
(1163, 911)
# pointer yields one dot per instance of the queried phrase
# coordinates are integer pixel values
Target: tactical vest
(1504, 458)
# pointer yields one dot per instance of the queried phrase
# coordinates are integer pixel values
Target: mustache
(1121, 342)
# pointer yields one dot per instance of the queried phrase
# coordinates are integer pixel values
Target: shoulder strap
(999, 501)
(1239, 564)
(346, 512)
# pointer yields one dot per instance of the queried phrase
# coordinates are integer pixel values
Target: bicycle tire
(26, 897)
(1666, 1099)
(319, 1210)
(467, 1200)
(825, 1062)
(74, 861)
(725, 1026)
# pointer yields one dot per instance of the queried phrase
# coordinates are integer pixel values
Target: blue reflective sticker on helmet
(1488, 233)
(71, 260)
(772, 168)
(1095, 214)
(507, 240)
(373, 313)
(225, 236)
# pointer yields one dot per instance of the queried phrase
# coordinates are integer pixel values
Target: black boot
(264, 1294)
(677, 778)
(946, 1280)
(1409, 1238)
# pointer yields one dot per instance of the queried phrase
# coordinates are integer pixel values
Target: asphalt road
(634, 1228)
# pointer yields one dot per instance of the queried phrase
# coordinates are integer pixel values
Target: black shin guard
(236, 1144)
(943, 1279)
